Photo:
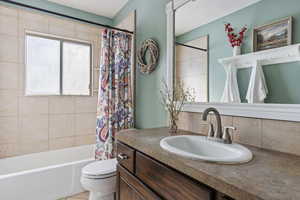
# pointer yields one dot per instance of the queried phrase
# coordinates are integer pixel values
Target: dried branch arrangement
(174, 100)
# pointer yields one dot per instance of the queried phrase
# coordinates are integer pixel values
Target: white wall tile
(8, 103)
(8, 11)
(9, 76)
(33, 105)
(30, 21)
(281, 136)
(34, 128)
(85, 124)
(248, 131)
(61, 143)
(86, 104)
(61, 125)
(81, 27)
(85, 139)
(61, 27)
(33, 147)
(9, 25)
(9, 130)
(61, 105)
(9, 48)
(8, 150)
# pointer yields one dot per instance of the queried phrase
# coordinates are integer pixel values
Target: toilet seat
(100, 169)
(99, 176)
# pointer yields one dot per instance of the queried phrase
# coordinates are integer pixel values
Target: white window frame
(61, 40)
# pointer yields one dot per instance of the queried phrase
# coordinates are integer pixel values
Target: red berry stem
(235, 40)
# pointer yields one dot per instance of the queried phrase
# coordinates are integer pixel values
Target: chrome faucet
(219, 135)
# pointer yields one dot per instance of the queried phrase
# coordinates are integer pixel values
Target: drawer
(130, 188)
(125, 156)
(221, 196)
(168, 183)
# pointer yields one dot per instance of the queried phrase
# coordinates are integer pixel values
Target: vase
(173, 127)
(236, 50)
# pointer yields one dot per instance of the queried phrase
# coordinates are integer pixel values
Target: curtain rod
(177, 43)
(66, 16)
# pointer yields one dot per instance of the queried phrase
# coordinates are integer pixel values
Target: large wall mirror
(221, 75)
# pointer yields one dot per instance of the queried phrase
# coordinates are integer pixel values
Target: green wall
(151, 23)
(257, 14)
(65, 10)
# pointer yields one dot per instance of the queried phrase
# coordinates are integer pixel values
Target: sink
(202, 148)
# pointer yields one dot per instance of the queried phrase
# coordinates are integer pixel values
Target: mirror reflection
(192, 66)
(235, 52)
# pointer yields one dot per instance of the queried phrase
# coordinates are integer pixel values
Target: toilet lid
(102, 167)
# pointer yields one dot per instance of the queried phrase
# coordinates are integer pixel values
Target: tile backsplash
(35, 124)
(283, 136)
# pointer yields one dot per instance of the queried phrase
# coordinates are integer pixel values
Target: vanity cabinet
(130, 188)
(140, 177)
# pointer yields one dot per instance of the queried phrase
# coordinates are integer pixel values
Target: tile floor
(81, 196)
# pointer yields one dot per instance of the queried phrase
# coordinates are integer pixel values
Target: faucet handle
(226, 136)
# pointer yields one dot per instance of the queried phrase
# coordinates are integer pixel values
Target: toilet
(99, 178)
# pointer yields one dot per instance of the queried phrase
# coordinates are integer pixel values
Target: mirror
(192, 66)
(201, 43)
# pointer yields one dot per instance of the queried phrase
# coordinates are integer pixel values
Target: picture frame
(273, 35)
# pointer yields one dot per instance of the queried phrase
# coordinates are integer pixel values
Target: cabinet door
(127, 192)
(221, 196)
(130, 188)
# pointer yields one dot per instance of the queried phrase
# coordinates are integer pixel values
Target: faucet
(219, 135)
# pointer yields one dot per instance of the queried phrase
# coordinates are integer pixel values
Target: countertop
(269, 176)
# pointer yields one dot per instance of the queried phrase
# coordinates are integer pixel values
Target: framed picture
(274, 35)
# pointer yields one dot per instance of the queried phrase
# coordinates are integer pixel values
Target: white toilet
(99, 178)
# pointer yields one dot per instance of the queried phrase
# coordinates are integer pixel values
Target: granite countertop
(269, 176)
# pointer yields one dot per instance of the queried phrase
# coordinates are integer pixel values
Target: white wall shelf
(267, 57)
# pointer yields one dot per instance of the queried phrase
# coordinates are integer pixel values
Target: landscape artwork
(274, 35)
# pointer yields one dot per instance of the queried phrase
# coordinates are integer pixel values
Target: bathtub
(44, 176)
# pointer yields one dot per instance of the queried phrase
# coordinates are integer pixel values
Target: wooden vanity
(147, 172)
(141, 177)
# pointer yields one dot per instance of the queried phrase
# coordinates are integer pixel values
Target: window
(57, 66)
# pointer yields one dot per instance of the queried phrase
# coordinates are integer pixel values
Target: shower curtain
(115, 98)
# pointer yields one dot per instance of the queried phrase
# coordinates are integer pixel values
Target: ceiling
(107, 8)
(200, 12)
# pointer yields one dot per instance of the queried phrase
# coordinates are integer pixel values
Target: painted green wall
(257, 14)
(151, 23)
(66, 10)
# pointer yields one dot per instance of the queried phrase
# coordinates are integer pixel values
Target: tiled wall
(192, 64)
(35, 124)
(283, 136)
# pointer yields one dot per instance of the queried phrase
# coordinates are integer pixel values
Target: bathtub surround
(37, 124)
(115, 99)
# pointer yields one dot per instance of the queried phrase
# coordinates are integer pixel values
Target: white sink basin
(201, 148)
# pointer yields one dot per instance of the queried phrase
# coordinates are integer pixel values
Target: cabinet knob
(122, 156)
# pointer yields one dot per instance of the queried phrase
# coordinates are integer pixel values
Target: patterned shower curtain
(115, 99)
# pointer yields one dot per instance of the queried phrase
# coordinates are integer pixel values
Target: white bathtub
(44, 176)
